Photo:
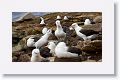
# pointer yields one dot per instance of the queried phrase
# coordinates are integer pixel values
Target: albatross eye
(35, 53)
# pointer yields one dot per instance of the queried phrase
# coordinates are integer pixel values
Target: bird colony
(44, 49)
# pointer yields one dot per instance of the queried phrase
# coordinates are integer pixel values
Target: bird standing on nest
(59, 33)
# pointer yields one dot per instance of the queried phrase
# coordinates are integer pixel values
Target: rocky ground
(24, 27)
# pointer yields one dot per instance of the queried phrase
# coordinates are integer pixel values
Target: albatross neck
(78, 28)
(59, 27)
(46, 36)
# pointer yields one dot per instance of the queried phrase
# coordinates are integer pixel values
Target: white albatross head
(51, 45)
(35, 55)
(87, 22)
(58, 17)
(30, 42)
(35, 52)
(65, 18)
(76, 27)
(49, 32)
(57, 23)
(44, 30)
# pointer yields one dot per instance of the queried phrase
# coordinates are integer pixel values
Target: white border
(104, 6)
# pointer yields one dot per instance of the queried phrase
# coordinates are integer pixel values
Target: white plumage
(71, 28)
(87, 22)
(65, 18)
(35, 55)
(51, 46)
(59, 33)
(61, 51)
(42, 21)
(44, 30)
(44, 39)
(30, 42)
(77, 29)
(58, 17)
(83, 33)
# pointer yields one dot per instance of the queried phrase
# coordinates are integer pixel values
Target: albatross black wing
(88, 32)
(45, 52)
(64, 28)
(74, 50)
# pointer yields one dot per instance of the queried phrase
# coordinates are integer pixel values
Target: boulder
(22, 43)
(75, 59)
(95, 27)
(52, 37)
(98, 19)
(90, 46)
(89, 61)
(81, 44)
(14, 59)
(24, 58)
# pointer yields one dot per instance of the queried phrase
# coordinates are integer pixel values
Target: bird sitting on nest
(36, 56)
(83, 33)
(44, 39)
(31, 41)
(87, 22)
(47, 51)
(51, 46)
(62, 51)
(59, 33)
(65, 18)
(58, 17)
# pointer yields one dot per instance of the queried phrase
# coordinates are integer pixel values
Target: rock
(14, 59)
(79, 38)
(95, 27)
(51, 59)
(17, 48)
(93, 46)
(90, 46)
(26, 16)
(52, 37)
(20, 32)
(98, 19)
(66, 23)
(89, 61)
(96, 43)
(24, 58)
(45, 60)
(22, 43)
(75, 59)
(81, 44)
(73, 41)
